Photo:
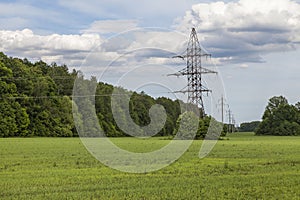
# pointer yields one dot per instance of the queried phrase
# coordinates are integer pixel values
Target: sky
(254, 43)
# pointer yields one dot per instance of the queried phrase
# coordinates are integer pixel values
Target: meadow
(242, 166)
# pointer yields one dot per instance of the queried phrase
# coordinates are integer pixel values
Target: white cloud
(235, 32)
(160, 39)
(244, 66)
(27, 40)
(246, 29)
(123, 51)
(238, 32)
(141, 46)
(54, 47)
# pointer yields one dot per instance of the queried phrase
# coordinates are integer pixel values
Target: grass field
(243, 167)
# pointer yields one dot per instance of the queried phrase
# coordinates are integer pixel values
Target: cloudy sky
(254, 43)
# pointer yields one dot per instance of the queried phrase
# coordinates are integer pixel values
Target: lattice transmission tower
(194, 72)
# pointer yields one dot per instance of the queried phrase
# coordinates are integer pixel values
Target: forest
(36, 100)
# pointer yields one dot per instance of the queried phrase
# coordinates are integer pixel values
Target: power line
(71, 96)
(34, 78)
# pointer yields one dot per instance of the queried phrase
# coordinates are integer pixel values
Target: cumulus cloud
(160, 38)
(245, 30)
(235, 32)
(92, 51)
(53, 48)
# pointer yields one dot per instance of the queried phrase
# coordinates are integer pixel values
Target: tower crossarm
(182, 72)
(194, 55)
(186, 72)
(207, 71)
(188, 91)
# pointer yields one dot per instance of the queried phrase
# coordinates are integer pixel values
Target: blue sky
(255, 43)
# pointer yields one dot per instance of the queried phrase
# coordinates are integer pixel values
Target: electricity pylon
(194, 72)
(223, 105)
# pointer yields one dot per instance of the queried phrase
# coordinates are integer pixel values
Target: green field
(243, 166)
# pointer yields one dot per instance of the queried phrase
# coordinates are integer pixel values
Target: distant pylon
(194, 72)
(222, 104)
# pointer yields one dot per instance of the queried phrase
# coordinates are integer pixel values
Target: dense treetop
(249, 126)
(36, 100)
(280, 118)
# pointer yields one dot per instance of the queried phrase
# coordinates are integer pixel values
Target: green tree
(273, 105)
(173, 111)
(37, 100)
(8, 125)
(280, 118)
(187, 126)
(13, 118)
(203, 127)
(249, 126)
(189, 123)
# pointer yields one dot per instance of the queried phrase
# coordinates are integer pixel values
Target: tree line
(36, 100)
(249, 126)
